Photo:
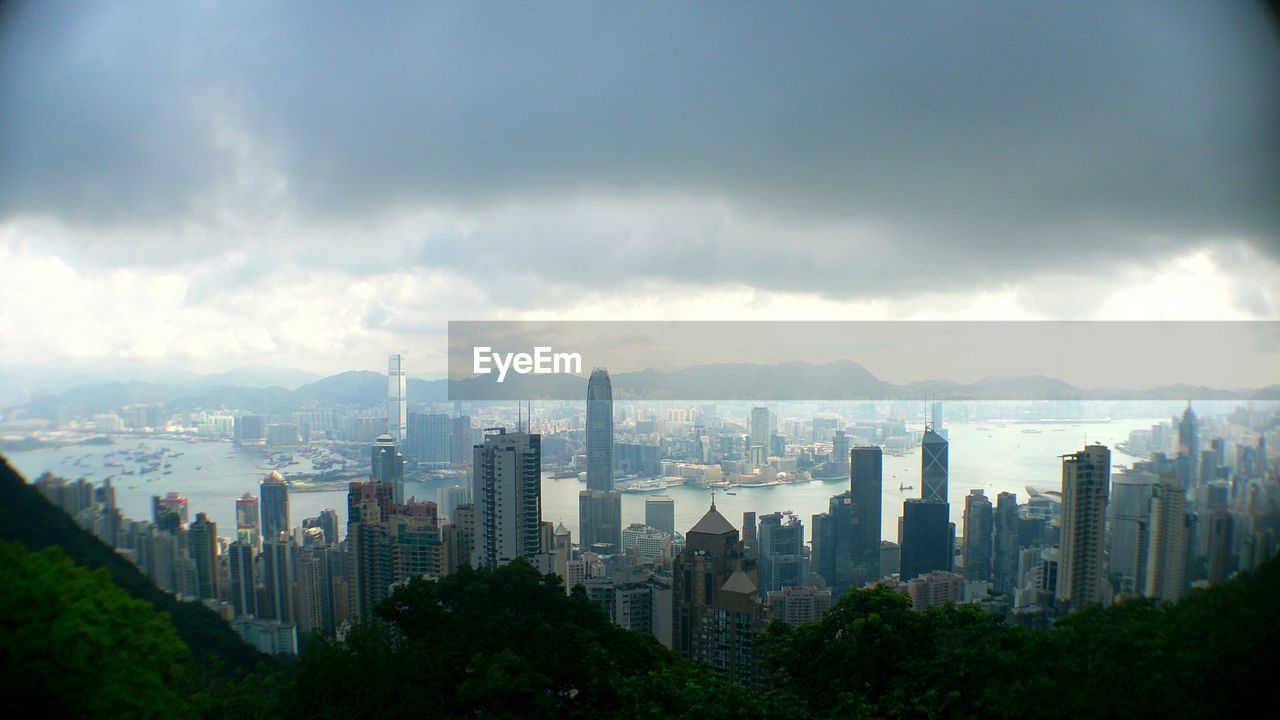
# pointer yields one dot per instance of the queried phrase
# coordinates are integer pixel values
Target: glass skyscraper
(600, 431)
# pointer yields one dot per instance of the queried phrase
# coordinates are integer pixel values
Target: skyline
(190, 186)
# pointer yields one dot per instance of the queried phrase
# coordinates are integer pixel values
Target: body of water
(990, 456)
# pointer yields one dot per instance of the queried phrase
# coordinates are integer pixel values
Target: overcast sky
(313, 185)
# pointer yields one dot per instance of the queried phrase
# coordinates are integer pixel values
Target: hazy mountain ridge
(838, 380)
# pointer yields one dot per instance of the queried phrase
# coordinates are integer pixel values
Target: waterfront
(985, 455)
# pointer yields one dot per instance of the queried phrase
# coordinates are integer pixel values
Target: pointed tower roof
(713, 523)
(739, 582)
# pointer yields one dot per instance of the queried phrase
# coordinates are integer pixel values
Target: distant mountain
(26, 517)
(259, 376)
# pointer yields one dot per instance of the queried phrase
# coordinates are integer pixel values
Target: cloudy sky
(313, 185)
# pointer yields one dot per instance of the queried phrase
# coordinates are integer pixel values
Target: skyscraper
(277, 580)
(1130, 528)
(388, 466)
(782, 558)
(397, 399)
(274, 493)
(933, 466)
(866, 481)
(428, 440)
(507, 493)
(977, 536)
(600, 521)
(660, 513)
(760, 428)
(247, 520)
(244, 579)
(169, 512)
(927, 537)
(202, 546)
(1167, 549)
(1086, 482)
(1005, 546)
(599, 431)
(460, 440)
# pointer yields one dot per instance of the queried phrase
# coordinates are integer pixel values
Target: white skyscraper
(397, 399)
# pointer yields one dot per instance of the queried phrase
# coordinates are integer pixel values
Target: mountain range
(839, 380)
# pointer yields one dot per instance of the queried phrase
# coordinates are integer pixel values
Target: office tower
(458, 538)
(717, 611)
(312, 587)
(388, 466)
(460, 439)
(244, 579)
(1005, 546)
(329, 524)
(935, 409)
(599, 431)
(1167, 549)
(782, 559)
(277, 580)
(822, 552)
(833, 543)
(927, 537)
(250, 430)
(795, 605)
(977, 536)
(890, 558)
(749, 535)
(428, 440)
(169, 513)
(933, 466)
(840, 450)
(397, 399)
(759, 428)
(660, 513)
(507, 493)
(451, 497)
(1221, 565)
(649, 545)
(600, 521)
(1130, 526)
(1188, 446)
(202, 546)
(866, 487)
(1086, 481)
(274, 499)
(247, 520)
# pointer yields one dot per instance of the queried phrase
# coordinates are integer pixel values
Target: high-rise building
(660, 513)
(202, 546)
(1221, 525)
(507, 493)
(247, 519)
(866, 487)
(169, 512)
(977, 536)
(833, 543)
(388, 466)
(1005, 546)
(450, 498)
(458, 538)
(1188, 446)
(782, 558)
(717, 610)
(274, 495)
(1167, 548)
(760, 428)
(460, 440)
(795, 605)
(329, 524)
(600, 521)
(277, 580)
(428, 440)
(927, 537)
(1130, 527)
(1086, 482)
(397, 399)
(244, 579)
(933, 466)
(599, 431)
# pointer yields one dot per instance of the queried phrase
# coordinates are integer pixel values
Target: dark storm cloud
(950, 138)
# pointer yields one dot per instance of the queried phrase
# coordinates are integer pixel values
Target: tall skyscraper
(244, 579)
(388, 466)
(274, 494)
(397, 399)
(760, 428)
(1005, 547)
(933, 466)
(1086, 482)
(660, 513)
(247, 518)
(977, 536)
(507, 493)
(599, 431)
(927, 537)
(1221, 525)
(460, 440)
(782, 558)
(169, 512)
(833, 543)
(1130, 528)
(428, 440)
(1167, 549)
(600, 521)
(866, 481)
(277, 580)
(202, 546)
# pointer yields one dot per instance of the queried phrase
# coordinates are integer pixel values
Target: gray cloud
(849, 149)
